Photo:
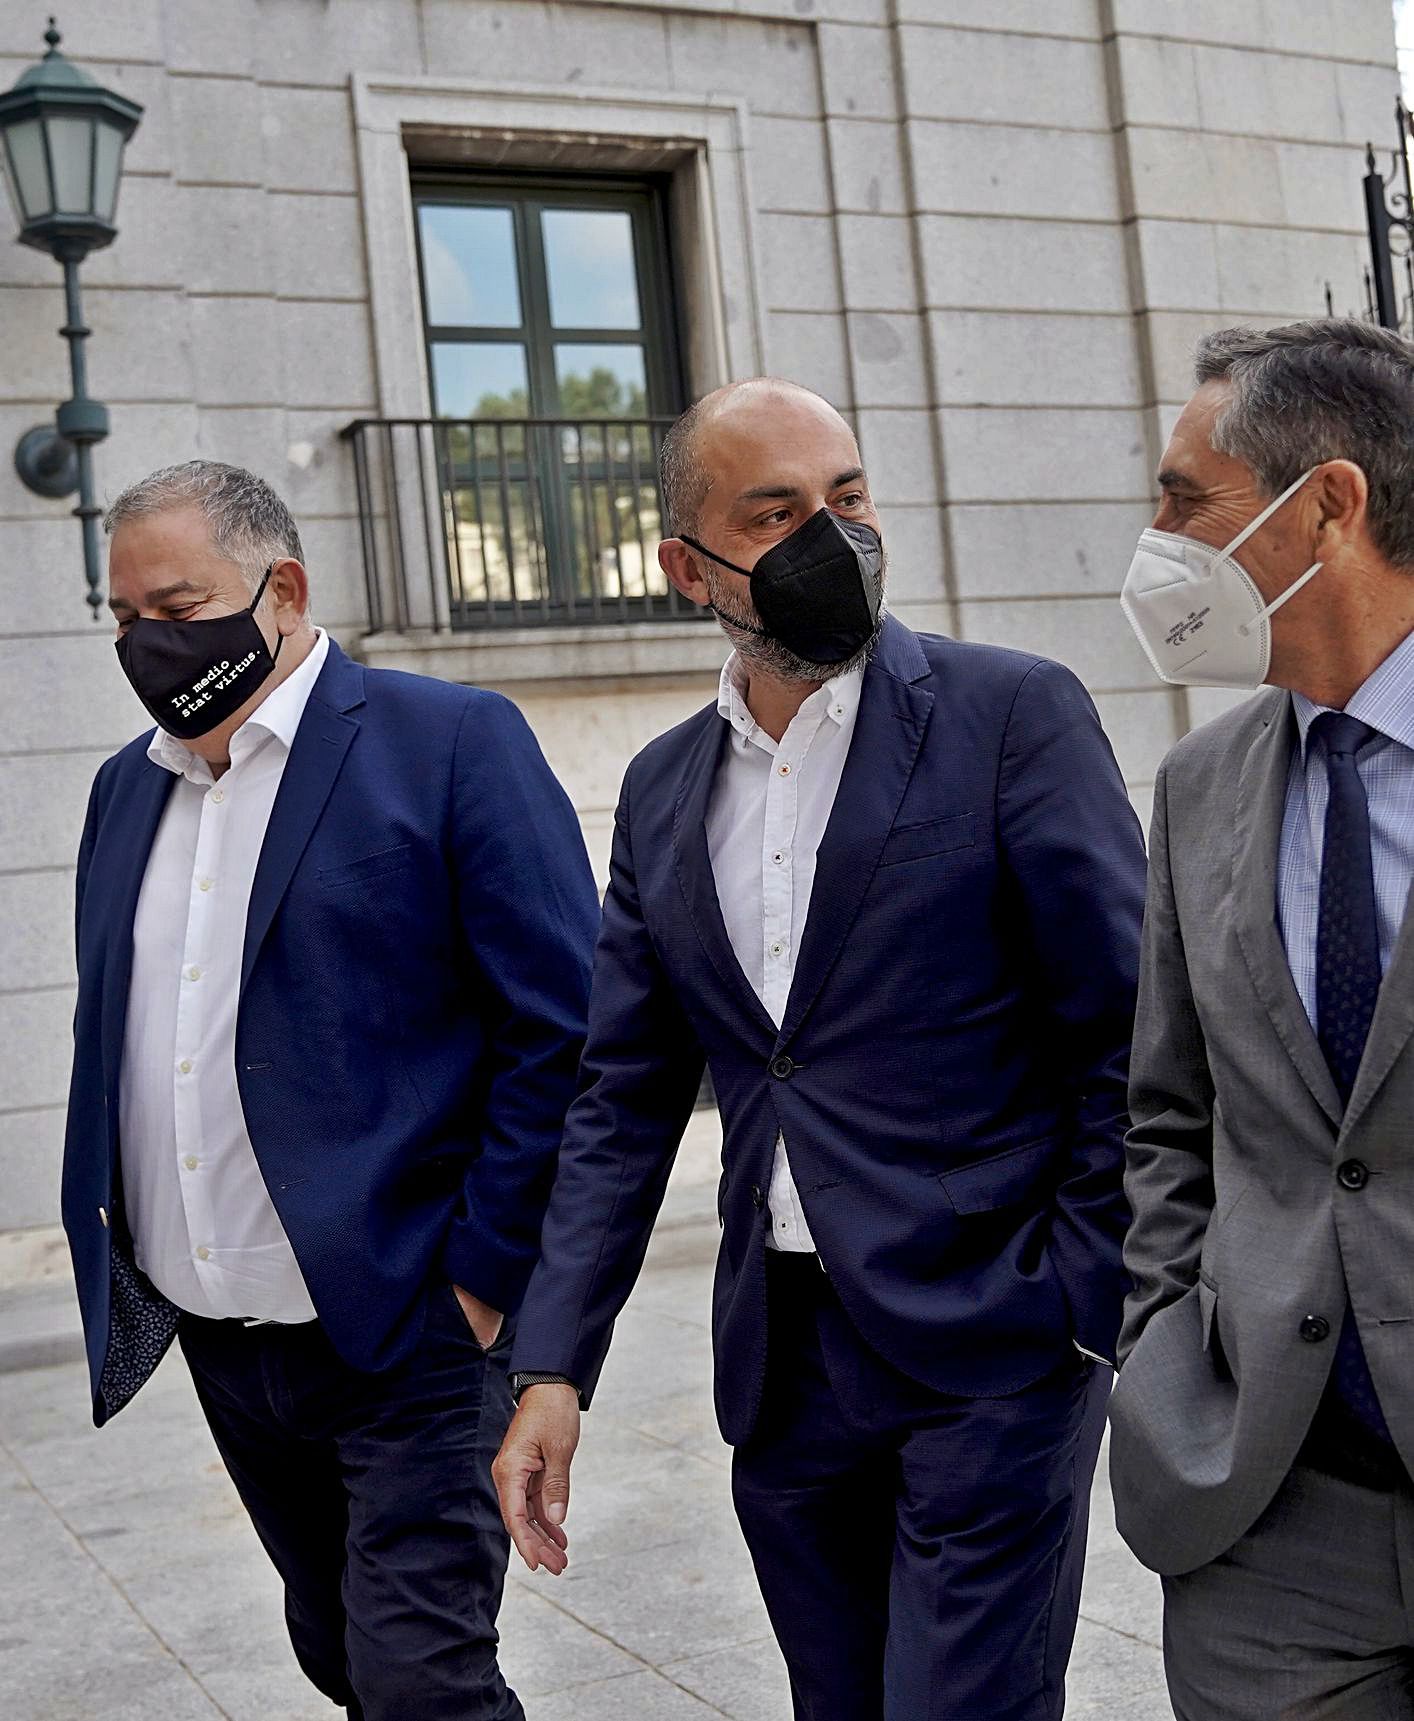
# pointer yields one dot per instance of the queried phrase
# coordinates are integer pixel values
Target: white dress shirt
(768, 810)
(204, 1228)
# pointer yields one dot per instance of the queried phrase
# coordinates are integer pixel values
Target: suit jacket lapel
(888, 732)
(692, 861)
(1261, 802)
(124, 857)
(324, 736)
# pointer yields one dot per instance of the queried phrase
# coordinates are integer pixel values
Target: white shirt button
(784, 770)
(185, 1066)
(205, 883)
(191, 1162)
(779, 857)
(218, 795)
(777, 948)
(193, 973)
(839, 711)
(203, 1253)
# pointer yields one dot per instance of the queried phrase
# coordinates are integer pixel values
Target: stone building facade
(989, 230)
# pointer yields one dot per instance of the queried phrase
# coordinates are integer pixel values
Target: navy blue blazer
(950, 1072)
(412, 1010)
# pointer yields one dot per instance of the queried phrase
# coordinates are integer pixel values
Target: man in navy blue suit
(334, 938)
(889, 887)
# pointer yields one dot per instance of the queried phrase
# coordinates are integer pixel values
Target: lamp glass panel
(71, 151)
(107, 165)
(29, 169)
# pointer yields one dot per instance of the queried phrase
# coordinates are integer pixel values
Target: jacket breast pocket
(932, 837)
(366, 867)
(1002, 1181)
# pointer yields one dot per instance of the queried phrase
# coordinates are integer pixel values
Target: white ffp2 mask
(1197, 611)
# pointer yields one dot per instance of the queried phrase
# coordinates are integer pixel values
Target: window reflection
(590, 263)
(469, 264)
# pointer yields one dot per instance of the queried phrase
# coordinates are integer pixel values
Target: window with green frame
(546, 298)
(552, 350)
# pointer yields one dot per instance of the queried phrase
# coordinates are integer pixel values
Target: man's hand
(532, 1473)
(484, 1321)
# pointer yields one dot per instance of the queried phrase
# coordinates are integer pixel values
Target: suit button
(1353, 1175)
(1315, 1328)
(758, 1198)
(782, 1067)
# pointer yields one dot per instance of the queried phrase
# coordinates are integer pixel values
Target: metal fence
(511, 522)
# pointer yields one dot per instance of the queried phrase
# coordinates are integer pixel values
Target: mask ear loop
(1245, 628)
(255, 605)
(722, 562)
(1264, 615)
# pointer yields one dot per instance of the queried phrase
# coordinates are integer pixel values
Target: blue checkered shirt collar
(1385, 701)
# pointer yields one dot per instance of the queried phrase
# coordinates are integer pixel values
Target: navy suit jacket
(950, 1071)
(412, 1008)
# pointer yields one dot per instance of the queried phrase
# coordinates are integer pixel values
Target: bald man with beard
(888, 888)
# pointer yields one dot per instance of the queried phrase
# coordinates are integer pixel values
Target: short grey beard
(768, 655)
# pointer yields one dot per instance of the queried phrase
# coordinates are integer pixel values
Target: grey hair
(250, 526)
(682, 476)
(1330, 389)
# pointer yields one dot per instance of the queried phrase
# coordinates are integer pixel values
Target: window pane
(589, 259)
(469, 262)
(601, 381)
(479, 379)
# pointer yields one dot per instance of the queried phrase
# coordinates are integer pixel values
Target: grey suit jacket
(1241, 1229)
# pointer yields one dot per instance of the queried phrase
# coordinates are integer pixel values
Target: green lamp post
(62, 137)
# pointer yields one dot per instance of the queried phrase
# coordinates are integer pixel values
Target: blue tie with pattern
(1347, 981)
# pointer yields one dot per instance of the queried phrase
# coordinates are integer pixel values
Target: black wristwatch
(519, 1382)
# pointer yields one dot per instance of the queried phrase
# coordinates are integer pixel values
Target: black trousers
(373, 1497)
(920, 1556)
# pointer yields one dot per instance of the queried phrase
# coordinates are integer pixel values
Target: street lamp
(61, 140)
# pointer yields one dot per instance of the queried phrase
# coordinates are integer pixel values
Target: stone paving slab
(132, 1588)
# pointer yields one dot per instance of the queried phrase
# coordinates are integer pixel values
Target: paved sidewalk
(132, 1588)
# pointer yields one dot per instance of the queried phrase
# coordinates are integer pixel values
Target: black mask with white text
(193, 675)
(818, 591)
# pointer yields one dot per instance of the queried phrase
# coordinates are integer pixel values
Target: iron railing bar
(451, 525)
(400, 607)
(542, 528)
(637, 484)
(507, 524)
(655, 444)
(427, 532)
(611, 470)
(655, 420)
(474, 431)
(367, 534)
(590, 534)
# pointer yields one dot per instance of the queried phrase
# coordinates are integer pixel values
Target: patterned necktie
(1347, 981)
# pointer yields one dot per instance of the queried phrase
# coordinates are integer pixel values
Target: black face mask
(193, 675)
(819, 590)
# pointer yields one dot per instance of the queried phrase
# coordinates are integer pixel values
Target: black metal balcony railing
(513, 522)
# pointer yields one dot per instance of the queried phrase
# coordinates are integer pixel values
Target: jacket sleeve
(1169, 1178)
(642, 1069)
(529, 909)
(1075, 850)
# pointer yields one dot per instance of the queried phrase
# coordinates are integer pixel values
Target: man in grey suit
(1263, 1420)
